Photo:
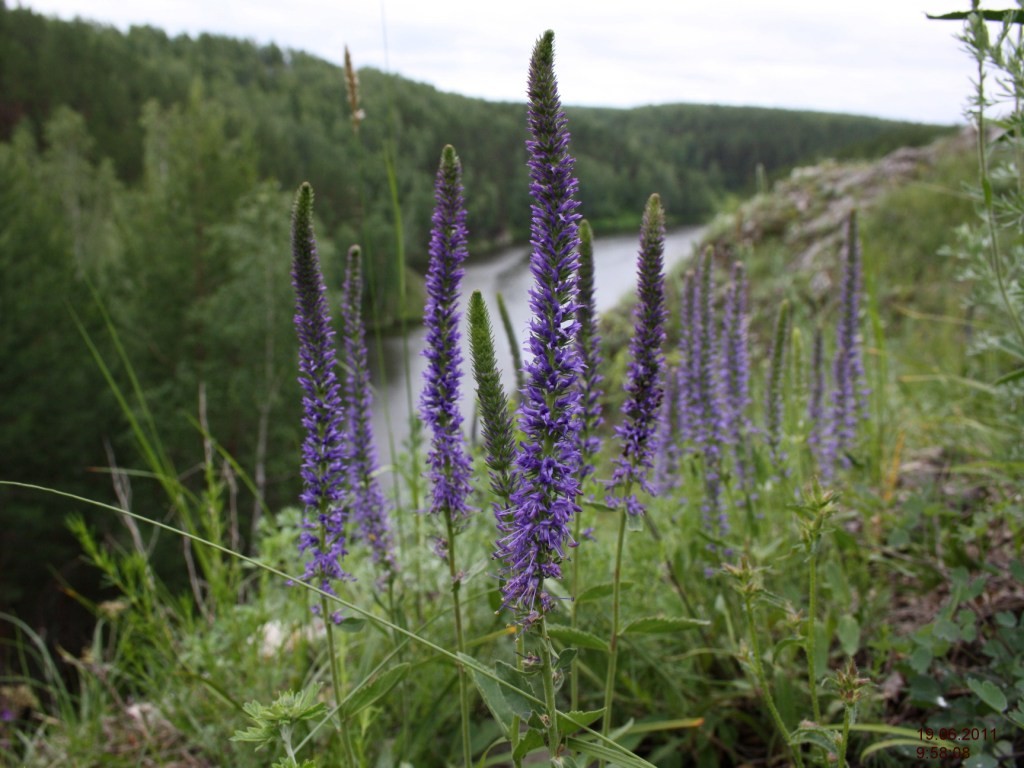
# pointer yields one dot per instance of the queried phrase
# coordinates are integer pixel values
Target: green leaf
(786, 642)
(1016, 716)
(599, 506)
(989, 693)
(1006, 378)
(634, 522)
(848, 632)
(980, 760)
(879, 746)
(576, 637)
(946, 630)
(1006, 619)
(608, 753)
(599, 591)
(528, 741)
(504, 703)
(653, 625)
(827, 739)
(920, 659)
(573, 721)
(351, 624)
(924, 690)
(566, 658)
(375, 690)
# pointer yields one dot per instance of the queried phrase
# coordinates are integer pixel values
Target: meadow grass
(754, 579)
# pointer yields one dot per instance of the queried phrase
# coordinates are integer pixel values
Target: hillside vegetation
(156, 172)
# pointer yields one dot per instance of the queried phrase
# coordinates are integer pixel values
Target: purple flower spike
(547, 463)
(735, 374)
(849, 402)
(324, 454)
(818, 438)
(708, 418)
(368, 506)
(644, 385)
(439, 404)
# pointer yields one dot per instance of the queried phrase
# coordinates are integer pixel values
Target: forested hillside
(157, 172)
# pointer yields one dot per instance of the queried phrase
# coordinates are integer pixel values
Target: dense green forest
(145, 188)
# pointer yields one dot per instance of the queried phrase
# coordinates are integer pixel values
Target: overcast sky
(872, 57)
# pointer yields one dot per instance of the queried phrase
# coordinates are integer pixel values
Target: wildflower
(589, 343)
(735, 374)
(323, 449)
(706, 400)
(773, 396)
(686, 386)
(848, 397)
(818, 436)
(439, 403)
(368, 506)
(547, 462)
(644, 386)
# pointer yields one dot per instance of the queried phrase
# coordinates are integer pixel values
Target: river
(506, 272)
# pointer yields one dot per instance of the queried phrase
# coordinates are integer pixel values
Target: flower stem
(613, 643)
(547, 673)
(460, 644)
(574, 683)
(762, 681)
(809, 648)
(336, 680)
(846, 737)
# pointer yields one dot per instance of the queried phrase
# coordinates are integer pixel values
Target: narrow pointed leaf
(653, 625)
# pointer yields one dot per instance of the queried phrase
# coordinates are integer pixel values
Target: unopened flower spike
(495, 413)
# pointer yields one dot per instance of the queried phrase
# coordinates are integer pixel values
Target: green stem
(574, 683)
(517, 762)
(336, 679)
(547, 673)
(460, 642)
(809, 647)
(844, 742)
(613, 644)
(762, 681)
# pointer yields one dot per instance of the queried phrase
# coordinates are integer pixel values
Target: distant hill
(292, 108)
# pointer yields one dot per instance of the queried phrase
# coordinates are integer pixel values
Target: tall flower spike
(708, 418)
(818, 437)
(546, 466)
(368, 505)
(773, 392)
(589, 342)
(735, 374)
(644, 386)
(439, 404)
(849, 400)
(324, 454)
